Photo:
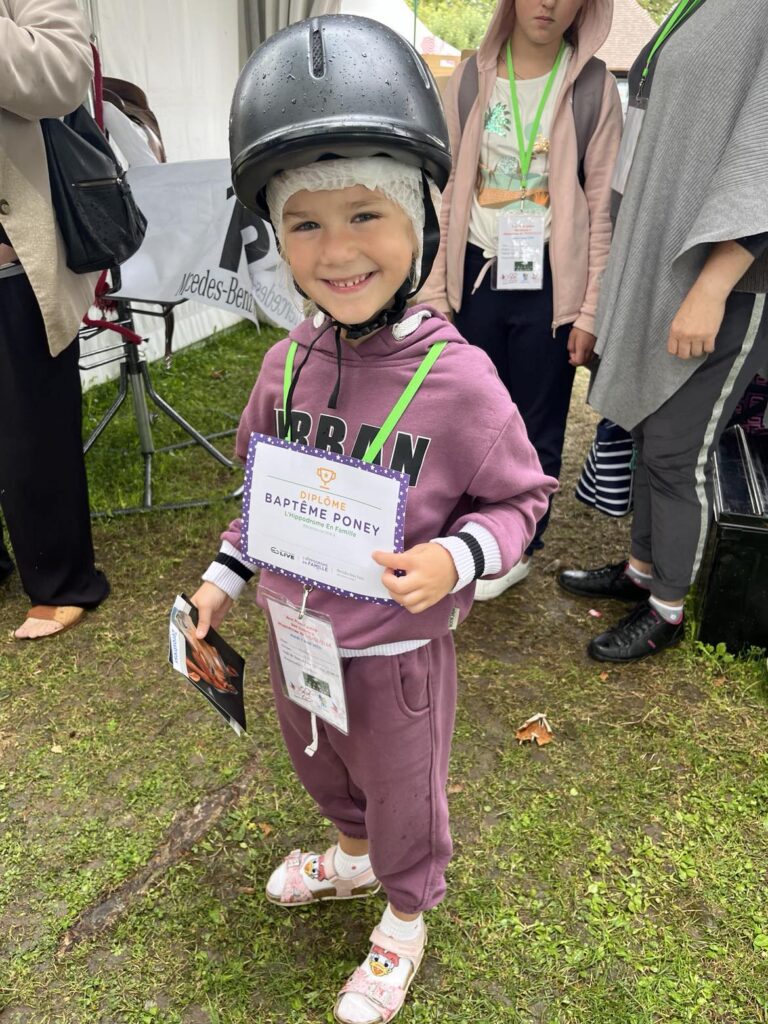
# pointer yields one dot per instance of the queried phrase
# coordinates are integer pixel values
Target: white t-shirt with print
(498, 180)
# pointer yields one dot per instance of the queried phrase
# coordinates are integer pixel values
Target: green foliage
(463, 24)
(460, 24)
(658, 9)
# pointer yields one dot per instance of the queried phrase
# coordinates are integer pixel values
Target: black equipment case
(732, 591)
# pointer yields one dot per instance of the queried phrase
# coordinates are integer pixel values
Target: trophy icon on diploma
(326, 475)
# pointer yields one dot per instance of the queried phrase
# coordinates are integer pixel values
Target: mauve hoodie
(581, 223)
(461, 439)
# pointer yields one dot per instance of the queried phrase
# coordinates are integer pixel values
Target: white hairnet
(397, 181)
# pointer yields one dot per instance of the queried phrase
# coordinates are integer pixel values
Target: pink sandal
(299, 866)
(385, 999)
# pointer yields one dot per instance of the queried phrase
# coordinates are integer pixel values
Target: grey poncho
(699, 176)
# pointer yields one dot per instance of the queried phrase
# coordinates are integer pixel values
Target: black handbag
(97, 215)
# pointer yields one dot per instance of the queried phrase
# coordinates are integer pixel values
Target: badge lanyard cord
(682, 11)
(526, 150)
(374, 447)
(389, 424)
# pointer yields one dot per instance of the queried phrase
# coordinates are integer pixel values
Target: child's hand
(430, 575)
(581, 345)
(212, 605)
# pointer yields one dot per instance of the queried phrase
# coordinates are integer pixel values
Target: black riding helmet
(337, 86)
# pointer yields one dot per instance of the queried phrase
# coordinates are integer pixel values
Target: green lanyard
(683, 9)
(401, 405)
(526, 151)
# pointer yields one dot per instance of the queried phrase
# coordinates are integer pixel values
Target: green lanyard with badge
(308, 514)
(520, 248)
(639, 103)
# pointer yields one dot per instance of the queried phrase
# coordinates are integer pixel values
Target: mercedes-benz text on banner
(202, 244)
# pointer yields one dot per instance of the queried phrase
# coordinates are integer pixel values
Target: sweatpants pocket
(411, 680)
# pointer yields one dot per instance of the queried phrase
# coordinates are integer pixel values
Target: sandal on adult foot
(375, 993)
(63, 617)
(287, 886)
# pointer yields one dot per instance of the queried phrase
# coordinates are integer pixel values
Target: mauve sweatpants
(386, 780)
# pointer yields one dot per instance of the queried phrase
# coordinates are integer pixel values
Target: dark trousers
(6, 563)
(43, 489)
(673, 476)
(515, 330)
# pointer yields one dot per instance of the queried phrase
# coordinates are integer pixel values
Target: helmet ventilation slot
(318, 53)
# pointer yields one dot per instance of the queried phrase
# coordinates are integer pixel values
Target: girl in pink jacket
(349, 173)
(535, 122)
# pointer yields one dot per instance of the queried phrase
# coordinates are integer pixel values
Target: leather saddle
(132, 101)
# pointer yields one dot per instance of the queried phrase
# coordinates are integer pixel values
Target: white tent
(186, 56)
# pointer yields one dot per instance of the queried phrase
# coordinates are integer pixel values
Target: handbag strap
(98, 90)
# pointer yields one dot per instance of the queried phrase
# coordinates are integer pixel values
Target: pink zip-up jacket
(581, 224)
(461, 440)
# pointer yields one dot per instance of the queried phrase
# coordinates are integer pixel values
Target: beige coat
(45, 71)
(581, 226)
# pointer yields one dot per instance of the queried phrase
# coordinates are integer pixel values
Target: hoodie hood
(593, 23)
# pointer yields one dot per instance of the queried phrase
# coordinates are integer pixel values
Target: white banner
(202, 244)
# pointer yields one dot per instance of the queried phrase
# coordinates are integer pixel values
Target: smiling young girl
(349, 174)
(534, 123)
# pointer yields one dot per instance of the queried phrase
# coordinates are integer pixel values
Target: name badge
(309, 657)
(520, 260)
(318, 517)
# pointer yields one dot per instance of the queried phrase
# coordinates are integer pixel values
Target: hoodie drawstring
(289, 400)
(335, 393)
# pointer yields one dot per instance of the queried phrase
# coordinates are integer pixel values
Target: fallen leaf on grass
(535, 730)
(457, 788)
(603, 676)
(719, 681)
(57, 749)
(265, 828)
(217, 374)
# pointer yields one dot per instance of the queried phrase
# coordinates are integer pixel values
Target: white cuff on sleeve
(231, 580)
(462, 556)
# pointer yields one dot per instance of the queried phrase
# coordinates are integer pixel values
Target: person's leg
(401, 712)
(678, 441)
(540, 380)
(6, 562)
(43, 488)
(324, 775)
(344, 871)
(681, 436)
(405, 705)
(515, 329)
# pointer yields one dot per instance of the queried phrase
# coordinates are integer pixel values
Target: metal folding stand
(136, 381)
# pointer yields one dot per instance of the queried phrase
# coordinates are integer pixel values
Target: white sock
(347, 866)
(669, 612)
(642, 579)
(392, 925)
(378, 967)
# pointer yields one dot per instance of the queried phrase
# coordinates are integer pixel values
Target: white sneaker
(486, 590)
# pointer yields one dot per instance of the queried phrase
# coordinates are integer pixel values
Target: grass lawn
(616, 876)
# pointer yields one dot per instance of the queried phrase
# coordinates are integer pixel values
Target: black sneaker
(610, 581)
(639, 634)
